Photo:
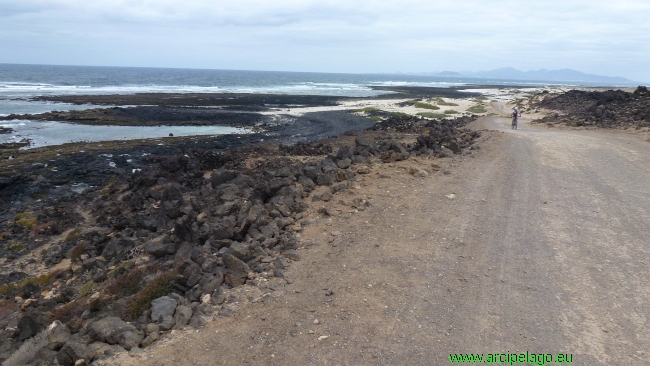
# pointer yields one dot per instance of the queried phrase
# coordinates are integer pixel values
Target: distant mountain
(563, 75)
(449, 74)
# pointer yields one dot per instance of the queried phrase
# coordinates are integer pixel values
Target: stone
(89, 263)
(197, 320)
(363, 170)
(344, 163)
(222, 176)
(417, 172)
(214, 284)
(218, 296)
(72, 352)
(111, 330)
(161, 307)
(182, 316)
(130, 339)
(291, 254)
(281, 262)
(240, 250)
(27, 304)
(151, 328)
(152, 337)
(237, 271)
(160, 246)
(166, 323)
(205, 299)
(27, 328)
(454, 147)
(57, 336)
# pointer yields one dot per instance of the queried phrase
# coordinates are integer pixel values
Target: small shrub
(40, 280)
(426, 106)
(28, 222)
(450, 111)
(78, 250)
(40, 195)
(73, 235)
(399, 114)
(40, 228)
(477, 109)
(68, 311)
(20, 216)
(7, 308)
(16, 246)
(367, 109)
(128, 283)
(107, 189)
(441, 101)
(432, 115)
(375, 119)
(481, 99)
(87, 288)
(159, 286)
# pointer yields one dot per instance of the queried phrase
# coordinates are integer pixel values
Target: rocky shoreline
(106, 248)
(604, 109)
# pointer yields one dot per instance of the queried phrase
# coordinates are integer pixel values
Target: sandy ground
(500, 95)
(537, 243)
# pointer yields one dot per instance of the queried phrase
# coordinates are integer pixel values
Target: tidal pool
(56, 133)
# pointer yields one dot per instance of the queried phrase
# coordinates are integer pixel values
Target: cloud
(332, 35)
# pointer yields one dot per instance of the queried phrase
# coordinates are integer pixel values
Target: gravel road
(543, 248)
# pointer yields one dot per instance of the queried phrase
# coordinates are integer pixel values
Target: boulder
(160, 246)
(223, 228)
(182, 316)
(162, 307)
(57, 336)
(222, 176)
(152, 337)
(214, 284)
(114, 330)
(240, 250)
(130, 338)
(27, 328)
(166, 323)
(344, 163)
(237, 271)
(71, 352)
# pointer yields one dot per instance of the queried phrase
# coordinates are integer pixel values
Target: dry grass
(73, 235)
(432, 115)
(479, 108)
(68, 311)
(42, 280)
(159, 286)
(426, 106)
(128, 283)
(28, 222)
(78, 250)
(441, 101)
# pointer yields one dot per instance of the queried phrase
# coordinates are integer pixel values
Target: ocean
(19, 83)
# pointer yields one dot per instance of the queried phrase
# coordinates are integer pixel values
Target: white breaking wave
(25, 90)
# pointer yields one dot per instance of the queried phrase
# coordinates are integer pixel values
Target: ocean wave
(25, 90)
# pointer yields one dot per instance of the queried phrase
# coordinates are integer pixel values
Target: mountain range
(563, 75)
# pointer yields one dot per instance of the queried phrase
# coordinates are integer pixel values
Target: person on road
(515, 117)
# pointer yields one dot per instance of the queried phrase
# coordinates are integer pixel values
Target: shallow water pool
(57, 133)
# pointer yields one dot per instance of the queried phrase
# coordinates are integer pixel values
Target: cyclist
(515, 117)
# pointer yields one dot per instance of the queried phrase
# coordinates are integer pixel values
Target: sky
(601, 37)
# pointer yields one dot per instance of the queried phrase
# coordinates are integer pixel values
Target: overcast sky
(606, 37)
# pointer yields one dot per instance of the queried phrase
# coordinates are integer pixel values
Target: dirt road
(544, 248)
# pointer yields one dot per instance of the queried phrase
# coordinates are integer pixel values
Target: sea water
(49, 133)
(20, 83)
